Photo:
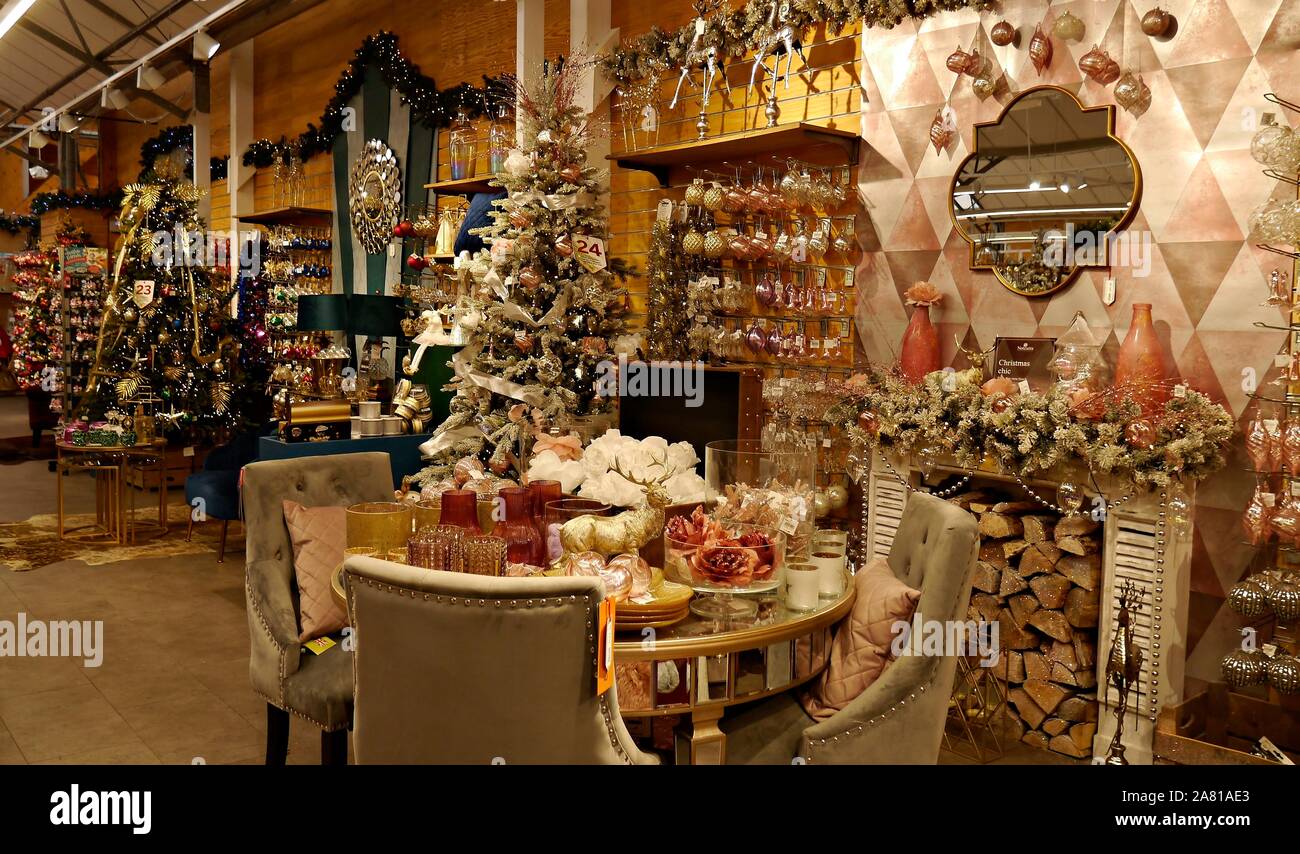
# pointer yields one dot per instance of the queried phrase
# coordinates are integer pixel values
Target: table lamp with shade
(325, 314)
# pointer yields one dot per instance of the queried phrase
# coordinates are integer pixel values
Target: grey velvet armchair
(900, 718)
(317, 688)
(453, 668)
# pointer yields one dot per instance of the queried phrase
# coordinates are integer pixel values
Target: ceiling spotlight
(10, 13)
(205, 46)
(1063, 184)
(148, 78)
(113, 99)
(38, 139)
(1035, 185)
(68, 123)
(40, 173)
(1080, 182)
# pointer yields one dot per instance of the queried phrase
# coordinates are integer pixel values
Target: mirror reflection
(1044, 186)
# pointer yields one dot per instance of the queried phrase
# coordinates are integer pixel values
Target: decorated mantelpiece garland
(43, 203)
(735, 33)
(1030, 433)
(547, 310)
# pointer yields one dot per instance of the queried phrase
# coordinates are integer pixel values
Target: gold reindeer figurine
(626, 532)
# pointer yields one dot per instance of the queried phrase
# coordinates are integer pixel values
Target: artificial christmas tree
(167, 323)
(546, 310)
(37, 330)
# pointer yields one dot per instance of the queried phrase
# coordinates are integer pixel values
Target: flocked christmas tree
(37, 334)
(166, 323)
(547, 308)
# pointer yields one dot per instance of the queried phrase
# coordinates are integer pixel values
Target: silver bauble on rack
(1284, 597)
(1284, 673)
(1244, 668)
(1248, 599)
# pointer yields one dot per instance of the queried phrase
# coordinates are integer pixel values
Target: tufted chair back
(454, 668)
(326, 480)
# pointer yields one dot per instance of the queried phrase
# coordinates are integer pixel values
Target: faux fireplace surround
(1130, 535)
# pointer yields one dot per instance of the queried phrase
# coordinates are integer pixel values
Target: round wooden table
(699, 667)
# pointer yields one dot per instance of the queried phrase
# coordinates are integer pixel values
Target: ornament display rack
(80, 313)
(434, 287)
(1272, 555)
(767, 150)
(284, 288)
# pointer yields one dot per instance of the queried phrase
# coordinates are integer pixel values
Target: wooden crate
(179, 467)
(1215, 726)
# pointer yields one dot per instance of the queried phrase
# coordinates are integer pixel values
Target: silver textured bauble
(1241, 668)
(1284, 674)
(1285, 599)
(1248, 599)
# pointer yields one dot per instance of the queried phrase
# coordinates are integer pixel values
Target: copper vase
(1142, 362)
(920, 353)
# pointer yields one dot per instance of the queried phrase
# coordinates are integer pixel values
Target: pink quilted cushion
(860, 651)
(319, 535)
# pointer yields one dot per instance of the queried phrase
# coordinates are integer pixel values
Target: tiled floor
(173, 686)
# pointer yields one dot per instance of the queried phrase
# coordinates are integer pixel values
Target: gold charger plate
(623, 625)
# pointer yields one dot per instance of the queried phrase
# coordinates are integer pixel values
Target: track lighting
(113, 99)
(67, 123)
(38, 139)
(148, 78)
(205, 46)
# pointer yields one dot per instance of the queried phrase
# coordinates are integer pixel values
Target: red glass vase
(523, 542)
(1141, 363)
(460, 508)
(920, 346)
(543, 492)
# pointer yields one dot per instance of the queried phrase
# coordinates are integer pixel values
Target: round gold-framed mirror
(1045, 191)
(374, 196)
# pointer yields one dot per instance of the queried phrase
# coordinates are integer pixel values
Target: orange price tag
(605, 647)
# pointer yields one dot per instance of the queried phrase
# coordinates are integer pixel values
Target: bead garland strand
(1156, 607)
(947, 492)
(1043, 501)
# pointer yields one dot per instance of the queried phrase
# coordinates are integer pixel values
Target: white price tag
(142, 292)
(826, 443)
(1295, 487)
(1268, 499)
(1269, 649)
(1180, 391)
(1108, 293)
(590, 252)
(1281, 360)
(1023, 386)
(188, 451)
(949, 381)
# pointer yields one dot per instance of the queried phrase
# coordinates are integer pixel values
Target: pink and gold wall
(1206, 279)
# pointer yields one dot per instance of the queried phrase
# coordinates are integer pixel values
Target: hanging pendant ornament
(572, 173)
(1157, 22)
(564, 246)
(1040, 50)
(957, 60)
(1099, 67)
(523, 342)
(1068, 28)
(519, 219)
(942, 129)
(983, 86)
(975, 63)
(1002, 34)
(1132, 93)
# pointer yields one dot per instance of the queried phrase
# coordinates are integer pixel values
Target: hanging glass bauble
(957, 60)
(941, 131)
(1259, 513)
(1040, 50)
(1002, 34)
(1068, 28)
(1132, 92)
(1284, 599)
(1069, 496)
(1156, 22)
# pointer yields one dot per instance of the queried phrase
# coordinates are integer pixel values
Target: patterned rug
(35, 542)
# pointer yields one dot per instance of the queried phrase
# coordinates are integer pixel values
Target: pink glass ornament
(1255, 521)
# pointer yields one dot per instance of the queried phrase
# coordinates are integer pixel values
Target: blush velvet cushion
(319, 536)
(860, 651)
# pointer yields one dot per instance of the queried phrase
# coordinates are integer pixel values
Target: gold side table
(108, 465)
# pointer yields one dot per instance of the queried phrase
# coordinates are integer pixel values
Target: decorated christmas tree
(546, 310)
(167, 325)
(37, 333)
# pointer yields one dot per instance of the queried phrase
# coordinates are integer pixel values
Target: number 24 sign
(590, 252)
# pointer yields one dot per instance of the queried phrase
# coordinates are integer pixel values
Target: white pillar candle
(802, 581)
(829, 561)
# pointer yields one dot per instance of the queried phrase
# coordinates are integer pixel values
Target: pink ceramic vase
(1142, 361)
(920, 346)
